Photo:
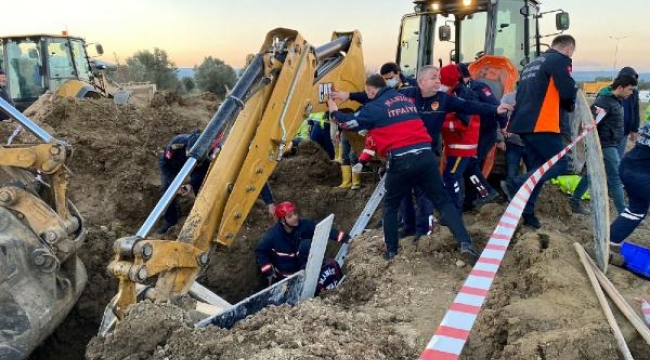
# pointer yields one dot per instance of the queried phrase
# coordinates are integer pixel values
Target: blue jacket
(391, 119)
(433, 109)
(631, 115)
(481, 92)
(280, 251)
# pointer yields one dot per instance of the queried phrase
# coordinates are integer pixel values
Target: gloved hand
(345, 238)
(357, 168)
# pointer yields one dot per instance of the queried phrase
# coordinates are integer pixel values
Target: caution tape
(449, 339)
(645, 309)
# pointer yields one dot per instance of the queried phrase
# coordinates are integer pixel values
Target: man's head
(390, 72)
(628, 71)
(449, 78)
(464, 72)
(286, 214)
(428, 80)
(3, 78)
(564, 44)
(623, 86)
(374, 83)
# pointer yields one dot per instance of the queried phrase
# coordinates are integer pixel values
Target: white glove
(363, 132)
(357, 168)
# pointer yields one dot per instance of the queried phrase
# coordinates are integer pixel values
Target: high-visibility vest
(319, 118)
(303, 131)
(646, 115)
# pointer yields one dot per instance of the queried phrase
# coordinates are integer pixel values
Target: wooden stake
(620, 340)
(620, 302)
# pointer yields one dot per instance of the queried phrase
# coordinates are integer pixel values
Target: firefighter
(545, 94)
(394, 122)
(489, 125)
(171, 162)
(635, 175)
(284, 248)
(460, 138)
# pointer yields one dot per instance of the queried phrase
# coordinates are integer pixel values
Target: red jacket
(369, 150)
(459, 139)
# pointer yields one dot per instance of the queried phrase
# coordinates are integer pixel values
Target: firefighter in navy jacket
(395, 124)
(284, 249)
(546, 92)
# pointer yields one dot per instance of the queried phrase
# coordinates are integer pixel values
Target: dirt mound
(540, 307)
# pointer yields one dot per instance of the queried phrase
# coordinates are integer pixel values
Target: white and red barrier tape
(645, 309)
(449, 339)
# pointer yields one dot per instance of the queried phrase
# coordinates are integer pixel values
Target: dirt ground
(541, 305)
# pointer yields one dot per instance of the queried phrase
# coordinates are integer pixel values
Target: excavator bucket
(41, 277)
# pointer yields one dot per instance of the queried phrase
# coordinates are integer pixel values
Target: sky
(190, 30)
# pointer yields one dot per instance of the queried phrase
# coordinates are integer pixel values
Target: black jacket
(610, 129)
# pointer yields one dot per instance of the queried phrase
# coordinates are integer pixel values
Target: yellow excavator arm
(283, 83)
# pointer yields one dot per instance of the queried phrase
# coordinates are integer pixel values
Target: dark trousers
(173, 212)
(514, 154)
(421, 170)
(540, 147)
(486, 142)
(415, 215)
(321, 136)
(637, 185)
(453, 177)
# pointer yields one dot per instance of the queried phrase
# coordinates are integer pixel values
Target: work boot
(488, 198)
(531, 221)
(356, 181)
(346, 176)
(389, 255)
(406, 233)
(576, 208)
(468, 253)
(164, 228)
(507, 190)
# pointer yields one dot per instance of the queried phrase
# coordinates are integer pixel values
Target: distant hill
(184, 72)
(579, 76)
(582, 76)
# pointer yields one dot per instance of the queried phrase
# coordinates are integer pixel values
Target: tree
(214, 75)
(188, 84)
(153, 67)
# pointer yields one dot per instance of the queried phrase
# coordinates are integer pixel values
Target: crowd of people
(444, 115)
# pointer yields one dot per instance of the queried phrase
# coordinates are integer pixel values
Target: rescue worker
(284, 248)
(320, 132)
(460, 139)
(394, 122)
(610, 133)
(392, 73)
(489, 125)
(631, 114)
(545, 94)
(4, 94)
(432, 107)
(171, 162)
(635, 175)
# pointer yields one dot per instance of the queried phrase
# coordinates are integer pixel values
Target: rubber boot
(346, 176)
(576, 208)
(337, 154)
(356, 181)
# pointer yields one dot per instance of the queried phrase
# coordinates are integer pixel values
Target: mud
(541, 305)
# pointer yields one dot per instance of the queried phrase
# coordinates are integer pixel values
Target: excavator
(37, 63)
(289, 78)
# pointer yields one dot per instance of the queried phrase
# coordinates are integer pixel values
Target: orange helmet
(283, 209)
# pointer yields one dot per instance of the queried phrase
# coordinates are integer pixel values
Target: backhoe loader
(61, 64)
(41, 277)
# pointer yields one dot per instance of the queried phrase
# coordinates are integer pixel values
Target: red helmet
(283, 209)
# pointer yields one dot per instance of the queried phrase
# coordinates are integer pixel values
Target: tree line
(212, 75)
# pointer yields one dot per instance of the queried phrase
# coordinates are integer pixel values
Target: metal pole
(333, 47)
(25, 121)
(167, 197)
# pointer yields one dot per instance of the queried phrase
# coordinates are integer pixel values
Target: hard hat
(283, 209)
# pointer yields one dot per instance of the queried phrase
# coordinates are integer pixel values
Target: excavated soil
(541, 305)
